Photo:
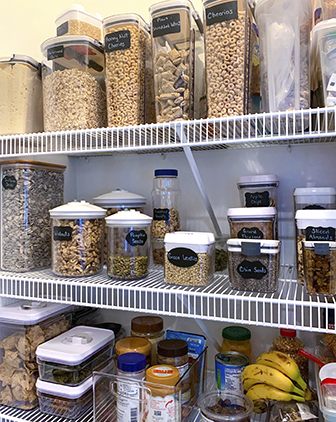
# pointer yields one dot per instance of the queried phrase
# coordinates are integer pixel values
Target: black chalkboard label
(314, 207)
(320, 234)
(221, 12)
(9, 182)
(257, 199)
(136, 237)
(119, 40)
(161, 214)
(250, 233)
(63, 29)
(63, 233)
(182, 257)
(55, 52)
(254, 269)
(167, 24)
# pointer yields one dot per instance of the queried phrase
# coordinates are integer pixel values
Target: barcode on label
(157, 413)
(134, 415)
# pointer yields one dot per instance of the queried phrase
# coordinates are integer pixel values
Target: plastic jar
(314, 198)
(237, 339)
(135, 345)
(150, 327)
(258, 190)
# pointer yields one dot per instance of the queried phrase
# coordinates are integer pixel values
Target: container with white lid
(314, 198)
(254, 265)
(189, 258)
(252, 223)
(76, 21)
(70, 358)
(128, 244)
(77, 239)
(24, 325)
(258, 190)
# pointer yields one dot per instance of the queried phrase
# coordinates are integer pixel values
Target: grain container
(258, 190)
(252, 223)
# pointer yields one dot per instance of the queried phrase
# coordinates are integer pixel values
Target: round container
(128, 244)
(150, 327)
(237, 339)
(314, 198)
(228, 369)
(258, 190)
(135, 345)
(77, 239)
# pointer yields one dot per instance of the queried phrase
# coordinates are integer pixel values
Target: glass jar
(237, 339)
(135, 345)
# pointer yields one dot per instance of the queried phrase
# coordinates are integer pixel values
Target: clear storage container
(24, 326)
(77, 239)
(228, 52)
(221, 255)
(70, 358)
(311, 198)
(328, 9)
(252, 223)
(73, 83)
(128, 244)
(258, 190)
(28, 190)
(189, 258)
(20, 95)
(254, 265)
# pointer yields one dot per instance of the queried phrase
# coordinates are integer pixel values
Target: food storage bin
(328, 9)
(252, 223)
(228, 52)
(128, 244)
(284, 31)
(23, 326)
(258, 190)
(73, 83)
(178, 49)
(85, 316)
(21, 95)
(311, 198)
(76, 21)
(77, 239)
(254, 265)
(221, 255)
(189, 258)
(28, 190)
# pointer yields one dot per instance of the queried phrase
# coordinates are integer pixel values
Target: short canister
(228, 369)
(150, 327)
(258, 190)
(135, 345)
(237, 339)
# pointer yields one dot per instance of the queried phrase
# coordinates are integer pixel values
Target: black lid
(172, 348)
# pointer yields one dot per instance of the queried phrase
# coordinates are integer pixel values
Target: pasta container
(252, 223)
(258, 190)
(24, 326)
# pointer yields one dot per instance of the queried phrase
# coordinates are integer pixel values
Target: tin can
(229, 367)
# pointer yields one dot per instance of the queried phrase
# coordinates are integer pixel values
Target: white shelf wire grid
(253, 130)
(290, 306)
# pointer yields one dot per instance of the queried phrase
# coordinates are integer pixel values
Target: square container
(314, 198)
(252, 223)
(23, 327)
(70, 358)
(28, 190)
(189, 258)
(254, 265)
(20, 95)
(258, 190)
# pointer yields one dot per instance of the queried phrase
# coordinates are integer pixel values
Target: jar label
(55, 52)
(63, 29)
(161, 214)
(119, 40)
(250, 233)
(257, 199)
(128, 409)
(167, 24)
(63, 233)
(254, 269)
(9, 182)
(163, 409)
(221, 12)
(320, 233)
(136, 237)
(182, 257)
(163, 371)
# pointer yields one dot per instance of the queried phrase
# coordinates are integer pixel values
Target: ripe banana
(267, 392)
(258, 374)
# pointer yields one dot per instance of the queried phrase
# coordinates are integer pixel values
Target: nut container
(29, 189)
(20, 95)
(228, 52)
(128, 244)
(73, 83)
(254, 265)
(77, 239)
(189, 258)
(258, 190)
(23, 327)
(70, 358)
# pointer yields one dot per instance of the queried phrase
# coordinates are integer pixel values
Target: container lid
(19, 58)
(170, 5)
(166, 172)
(126, 18)
(234, 333)
(77, 209)
(72, 40)
(120, 197)
(315, 218)
(147, 324)
(65, 391)
(79, 8)
(324, 28)
(265, 246)
(258, 179)
(128, 218)
(310, 195)
(189, 238)
(74, 346)
(320, 245)
(132, 362)
(32, 164)
(163, 374)
(133, 344)
(172, 348)
(288, 332)
(26, 312)
(253, 212)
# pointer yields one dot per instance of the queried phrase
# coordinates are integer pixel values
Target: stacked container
(258, 190)
(252, 223)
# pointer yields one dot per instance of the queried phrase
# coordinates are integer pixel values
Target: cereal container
(77, 239)
(228, 50)
(252, 223)
(73, 83)
(21, 95)
(254, 265)
(24, 326)
(128, 244)
(28, 190)
(258, 190)
(189, 258)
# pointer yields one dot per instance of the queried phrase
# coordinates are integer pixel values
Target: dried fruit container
(21, 95)
(24, 326)
(77, 239)
(73, 83)
(258, 190)
(28, 190)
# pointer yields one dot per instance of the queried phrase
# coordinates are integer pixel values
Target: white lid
(19, 58)
(171, 5)
(64, 391)
(129, 218)
(315, 218)
(26, 312)
(323, 28)
(310, 195)
(197, 241)
(266, 246)
(120, 197)
(125, 18)
(72, 40)
(258, 179)
(77, 209)
(78, 8)
(253, 212)
(74, 346)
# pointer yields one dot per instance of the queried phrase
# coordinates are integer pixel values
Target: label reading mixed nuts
(63, 233)
(254, 269)
(63, 29)
(182, 257)
(250, 233)
(55, 52)
(9, 182)
(161, 214)
(168, 24)
(320, 233)
(136, 237)
(221, 12)
(119, 40)
(257, 199)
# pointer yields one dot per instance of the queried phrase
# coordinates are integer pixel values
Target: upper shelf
(253, 130)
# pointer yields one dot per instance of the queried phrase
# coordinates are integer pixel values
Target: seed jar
(228, 369)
